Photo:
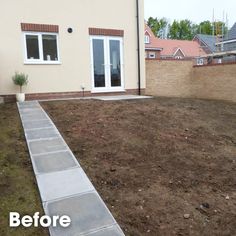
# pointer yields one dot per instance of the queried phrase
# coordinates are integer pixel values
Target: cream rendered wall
(75, 68)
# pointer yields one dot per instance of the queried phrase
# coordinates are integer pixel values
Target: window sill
(42, 63)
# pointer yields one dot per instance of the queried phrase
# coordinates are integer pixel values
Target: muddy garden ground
(153, 161)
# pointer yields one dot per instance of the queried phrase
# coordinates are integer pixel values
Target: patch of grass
(18, 189)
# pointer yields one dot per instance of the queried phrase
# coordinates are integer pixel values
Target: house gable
(179, 53)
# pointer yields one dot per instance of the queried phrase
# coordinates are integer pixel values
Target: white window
(41, 48)
(200, 61)
(178, 57)
(147, 39)
(152, 55)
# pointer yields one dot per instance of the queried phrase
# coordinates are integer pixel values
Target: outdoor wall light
(70, 30)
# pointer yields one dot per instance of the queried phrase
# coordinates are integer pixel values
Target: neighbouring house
(219, 50)
(207, 42)
(179, 49)
(170, 49)
(66, 47)
(229, 41)
(152, 49)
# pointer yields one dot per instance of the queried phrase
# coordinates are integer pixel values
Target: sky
(195, 11)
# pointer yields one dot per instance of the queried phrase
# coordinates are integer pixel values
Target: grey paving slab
(46, 146)
(28, 104)
(41, 133)
(32, 112)
(40, 116)
(37, 124)
(109, 231)
(63, 184)
(87, 212)
(54, 162)
(28, 111)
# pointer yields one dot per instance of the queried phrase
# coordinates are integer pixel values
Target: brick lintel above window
(39, 28)
(106, 32)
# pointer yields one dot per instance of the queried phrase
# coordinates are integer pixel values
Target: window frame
(200, 61)
(152, 55)
(147, 39)
(40, 46)
(106, 42)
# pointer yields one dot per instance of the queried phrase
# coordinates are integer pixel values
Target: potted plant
(20, 79)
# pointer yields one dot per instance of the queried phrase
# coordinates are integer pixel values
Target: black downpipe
(138, 41)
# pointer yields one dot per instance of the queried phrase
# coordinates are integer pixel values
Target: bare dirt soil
(18, 188)
(163, 166)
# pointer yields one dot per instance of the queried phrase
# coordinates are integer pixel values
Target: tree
(220, 28)
(195, 28)
(157, 25)
(185, 30)
(205, 27)
(181, 30)
(174, 30)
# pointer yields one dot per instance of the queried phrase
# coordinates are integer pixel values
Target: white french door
(107, 64)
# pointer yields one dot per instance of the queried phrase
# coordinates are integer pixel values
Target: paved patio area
(103, 98)
(121, 97)
(64, 187)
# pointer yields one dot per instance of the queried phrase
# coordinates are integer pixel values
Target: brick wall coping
(219, 64)
(168, 59)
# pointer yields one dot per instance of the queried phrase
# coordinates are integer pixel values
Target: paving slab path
(64, 187)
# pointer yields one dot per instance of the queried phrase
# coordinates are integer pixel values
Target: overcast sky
(196, 11)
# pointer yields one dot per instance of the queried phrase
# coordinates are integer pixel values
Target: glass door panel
(107, 64)
(99, 63)
(115, 64)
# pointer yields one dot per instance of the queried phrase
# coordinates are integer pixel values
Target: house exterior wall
(175, 78)
(75, 68)
(150, 52)
(229, 46)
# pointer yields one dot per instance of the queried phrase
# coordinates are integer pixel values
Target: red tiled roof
(169, 46)
(189, 48)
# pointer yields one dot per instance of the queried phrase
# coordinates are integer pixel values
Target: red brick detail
(39, 28)
(106, 32)
(65, 95)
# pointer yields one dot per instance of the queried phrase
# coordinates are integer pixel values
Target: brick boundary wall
(65, 95)
(168, 59)
(179, 78)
